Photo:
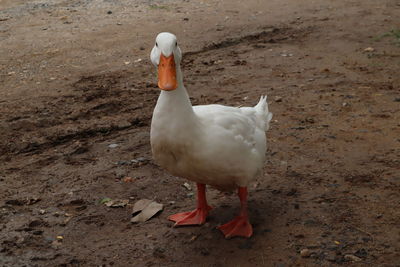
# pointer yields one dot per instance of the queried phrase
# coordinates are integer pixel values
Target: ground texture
(75, 78)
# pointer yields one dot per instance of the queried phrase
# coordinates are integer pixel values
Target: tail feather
(262, 109)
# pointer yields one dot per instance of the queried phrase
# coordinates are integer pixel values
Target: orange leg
(199, 215)
(240, 226)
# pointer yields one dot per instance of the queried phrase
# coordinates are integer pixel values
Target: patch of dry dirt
(72, 84)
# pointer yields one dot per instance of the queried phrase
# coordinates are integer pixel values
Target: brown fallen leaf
(140, 205)
(145, 209)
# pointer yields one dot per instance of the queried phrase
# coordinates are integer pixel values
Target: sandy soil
(75, 78)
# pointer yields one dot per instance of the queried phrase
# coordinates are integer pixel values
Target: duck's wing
(230, 118)
(232, 137)
(233, 126)
(239, 117)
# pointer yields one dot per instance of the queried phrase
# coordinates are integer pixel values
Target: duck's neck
(176, 103)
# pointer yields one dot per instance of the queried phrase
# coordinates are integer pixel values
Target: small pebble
(350, 257)
(369, 49)
(187, 186)
(113, 145)
(305, 253)
(141, 159)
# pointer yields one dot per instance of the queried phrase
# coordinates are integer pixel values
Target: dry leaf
(117, 203)
(140, 205)
(145, 209)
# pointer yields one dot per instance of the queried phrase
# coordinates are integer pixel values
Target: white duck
(215, 145)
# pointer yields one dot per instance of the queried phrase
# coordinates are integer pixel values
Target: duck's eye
(176, 43)
(156, 44)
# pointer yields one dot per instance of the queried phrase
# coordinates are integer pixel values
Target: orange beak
(167, 73)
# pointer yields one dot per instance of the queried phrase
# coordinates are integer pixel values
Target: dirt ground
(76, 98)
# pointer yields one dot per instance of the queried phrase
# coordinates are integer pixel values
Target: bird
(216, 145)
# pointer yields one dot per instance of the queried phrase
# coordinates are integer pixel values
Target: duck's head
(166, 55)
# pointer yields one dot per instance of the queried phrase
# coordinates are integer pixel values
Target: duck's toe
(240, 226)
(196, 217)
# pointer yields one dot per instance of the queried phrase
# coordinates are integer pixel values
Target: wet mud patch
(269, 34)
